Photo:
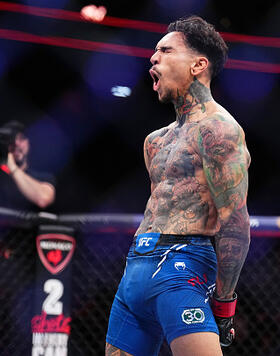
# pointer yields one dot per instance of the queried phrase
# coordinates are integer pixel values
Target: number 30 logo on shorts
(193, 316)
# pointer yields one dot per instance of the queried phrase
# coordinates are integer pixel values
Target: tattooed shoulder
(219, 136)
(153, 143)
(158, 133)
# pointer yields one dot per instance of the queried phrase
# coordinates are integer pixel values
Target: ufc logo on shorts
(144, 241)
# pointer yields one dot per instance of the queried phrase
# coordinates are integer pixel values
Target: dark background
(91, 140)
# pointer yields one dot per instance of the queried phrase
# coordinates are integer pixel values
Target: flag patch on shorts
(193, 316)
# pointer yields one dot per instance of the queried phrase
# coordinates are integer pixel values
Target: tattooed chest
(172, 160)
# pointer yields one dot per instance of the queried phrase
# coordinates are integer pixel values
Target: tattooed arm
(225, 164)
(114, 351)
(146, 152)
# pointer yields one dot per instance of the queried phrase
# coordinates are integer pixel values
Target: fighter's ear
(199, 65)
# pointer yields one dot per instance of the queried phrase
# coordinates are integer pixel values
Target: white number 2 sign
(51, 304)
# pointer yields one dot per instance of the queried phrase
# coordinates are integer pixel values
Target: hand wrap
(224, 310)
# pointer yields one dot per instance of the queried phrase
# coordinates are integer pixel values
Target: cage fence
(102, 242)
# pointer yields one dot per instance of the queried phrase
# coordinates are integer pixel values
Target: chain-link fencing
(97, 268)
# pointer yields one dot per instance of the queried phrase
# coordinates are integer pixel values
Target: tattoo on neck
(197, 94)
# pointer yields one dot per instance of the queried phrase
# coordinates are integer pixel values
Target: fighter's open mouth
(156, 79)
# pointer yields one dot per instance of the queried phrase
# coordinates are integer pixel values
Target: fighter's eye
(165, 49)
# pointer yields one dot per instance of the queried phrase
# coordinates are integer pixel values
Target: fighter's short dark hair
(202, 37)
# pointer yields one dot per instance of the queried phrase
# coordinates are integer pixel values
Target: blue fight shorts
(164, 292)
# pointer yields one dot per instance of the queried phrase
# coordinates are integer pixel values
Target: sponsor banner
(55, 251)
(51, 322)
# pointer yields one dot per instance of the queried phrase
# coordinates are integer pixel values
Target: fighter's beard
(167, 98)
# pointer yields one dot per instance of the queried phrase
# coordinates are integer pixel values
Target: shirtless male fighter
(188, 252)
